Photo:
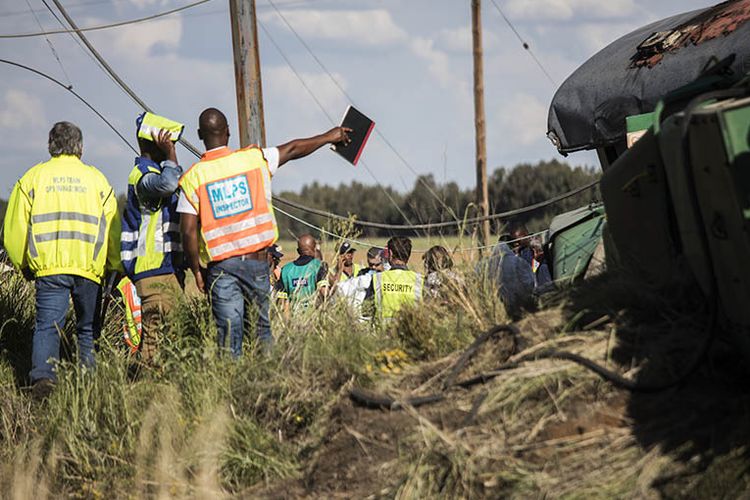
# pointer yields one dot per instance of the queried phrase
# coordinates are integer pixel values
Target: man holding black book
(226, 198)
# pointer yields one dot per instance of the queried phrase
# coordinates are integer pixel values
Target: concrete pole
(247, 72)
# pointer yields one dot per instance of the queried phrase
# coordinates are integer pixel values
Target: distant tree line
(523, 185)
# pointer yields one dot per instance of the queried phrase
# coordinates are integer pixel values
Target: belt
(259, 255)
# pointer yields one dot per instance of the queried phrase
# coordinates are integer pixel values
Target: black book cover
(361, 128)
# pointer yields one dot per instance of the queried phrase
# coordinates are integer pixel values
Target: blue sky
(407, 64)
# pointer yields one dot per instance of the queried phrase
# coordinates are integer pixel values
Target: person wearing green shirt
(301, 279)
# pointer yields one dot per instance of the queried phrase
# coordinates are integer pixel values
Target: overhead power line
(524, 44)
(437, 225)
(124, 86)
(323, 213)
(107, 26)
(346, 94)
(49, 42)
(195, 151)
(329, 116)
(70, 89)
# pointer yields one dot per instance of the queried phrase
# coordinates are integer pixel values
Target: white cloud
(137, 41)
(21, 110)
(284, 85)
(353, 27)
(439, 65)
(596, 36)
(459, 39)
(563, 10)
(522, 120)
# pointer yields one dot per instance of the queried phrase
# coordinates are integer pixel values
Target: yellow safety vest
(62, 219)
(356, 268)
(231, 191)
(394, 289)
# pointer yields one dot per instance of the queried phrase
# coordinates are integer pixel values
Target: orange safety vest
(132, 329)
(231, 191)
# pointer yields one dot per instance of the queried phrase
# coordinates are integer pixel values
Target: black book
(361, 128)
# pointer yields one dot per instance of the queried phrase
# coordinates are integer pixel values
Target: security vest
(150, 242)
(300, 281)
(62, 219)
(394, 289)
(231, 191)
(133, 326)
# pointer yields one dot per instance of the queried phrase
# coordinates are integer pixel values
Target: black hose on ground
(375, 400)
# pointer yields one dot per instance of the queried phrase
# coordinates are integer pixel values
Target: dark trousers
(53, 294)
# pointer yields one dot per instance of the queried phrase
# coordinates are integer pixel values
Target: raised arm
(299, 148)
(153, 185)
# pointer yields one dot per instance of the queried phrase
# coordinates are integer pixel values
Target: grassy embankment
(198, 425)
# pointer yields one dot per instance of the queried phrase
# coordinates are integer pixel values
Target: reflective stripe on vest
(133, 325)
(149, 237)
(232, 193)
(394, 289)
(67, 226)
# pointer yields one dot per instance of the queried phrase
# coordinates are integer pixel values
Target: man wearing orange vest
(226, 198)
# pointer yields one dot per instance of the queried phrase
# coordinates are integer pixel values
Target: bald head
(306, 245)
(213, 129)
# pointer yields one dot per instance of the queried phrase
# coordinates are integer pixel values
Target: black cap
(346, 247)
(275, 251)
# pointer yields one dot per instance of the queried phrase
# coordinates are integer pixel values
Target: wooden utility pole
(479, 124)
(247, 72)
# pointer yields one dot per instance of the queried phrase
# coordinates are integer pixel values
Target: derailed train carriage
(667, 108)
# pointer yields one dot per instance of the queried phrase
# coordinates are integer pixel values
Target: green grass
(198, 425)
(196, 421)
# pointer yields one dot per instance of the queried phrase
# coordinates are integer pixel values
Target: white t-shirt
(272, 157)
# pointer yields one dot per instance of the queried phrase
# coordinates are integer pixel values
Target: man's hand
(27, 274)
(339, 135)
(164, 142)
(200, 279)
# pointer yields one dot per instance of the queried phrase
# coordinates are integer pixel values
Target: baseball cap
(346, 247)
(275, 251)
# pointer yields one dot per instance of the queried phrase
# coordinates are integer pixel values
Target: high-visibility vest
(356, 268)
(394, 289)
(150, 242)
(62, 219)
(231, 191)
(133, 326)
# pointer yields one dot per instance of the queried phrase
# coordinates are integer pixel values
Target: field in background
(463, 249)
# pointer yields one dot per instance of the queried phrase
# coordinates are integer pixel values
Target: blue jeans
(233, 283)
(53, 295)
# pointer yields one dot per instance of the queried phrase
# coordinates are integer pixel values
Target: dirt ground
(592, 439)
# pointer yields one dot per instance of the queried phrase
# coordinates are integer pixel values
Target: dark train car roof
(630, 75)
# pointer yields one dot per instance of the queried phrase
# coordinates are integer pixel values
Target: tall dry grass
(195, 423)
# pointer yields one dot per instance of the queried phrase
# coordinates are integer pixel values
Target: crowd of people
(64, 231)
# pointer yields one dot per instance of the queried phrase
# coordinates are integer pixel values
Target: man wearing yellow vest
(393, 289)
(345, 266)
(226, 198)
(150, 247)
(62, 230)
